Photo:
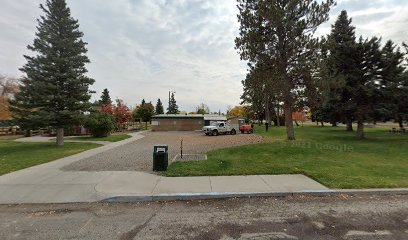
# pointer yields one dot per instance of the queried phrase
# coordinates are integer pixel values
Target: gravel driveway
(137, 155)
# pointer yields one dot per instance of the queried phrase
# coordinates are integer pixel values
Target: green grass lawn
(329, 155)
(15, 155)
(111, 138)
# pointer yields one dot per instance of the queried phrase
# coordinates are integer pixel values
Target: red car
(246, 129)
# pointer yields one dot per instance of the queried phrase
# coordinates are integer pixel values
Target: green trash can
(160, 157)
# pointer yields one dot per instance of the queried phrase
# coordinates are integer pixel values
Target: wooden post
(181, 148)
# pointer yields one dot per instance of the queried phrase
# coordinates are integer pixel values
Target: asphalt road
(341, 217)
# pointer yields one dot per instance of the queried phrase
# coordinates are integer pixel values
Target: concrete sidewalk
(50, 185)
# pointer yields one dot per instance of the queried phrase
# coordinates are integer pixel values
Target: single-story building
(180, 122)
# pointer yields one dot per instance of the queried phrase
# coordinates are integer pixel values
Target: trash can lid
(161, 145)
(161, 148)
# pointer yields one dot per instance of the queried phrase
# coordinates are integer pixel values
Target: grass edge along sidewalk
(331, 156)
(15, 156)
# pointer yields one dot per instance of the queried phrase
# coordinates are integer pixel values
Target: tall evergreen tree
(173, 107)
(159, 107)
(314, 92)
(105, 98)
(279, 33)
(393, 84)
(403, 103)
(363, 93)
(342, 66)
(55, 90)
(263, 100)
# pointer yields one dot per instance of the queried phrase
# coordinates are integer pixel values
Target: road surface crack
(133, 233)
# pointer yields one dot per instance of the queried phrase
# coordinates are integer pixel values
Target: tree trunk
(297, 124)
(277, 118)
(60, 136)
(146, 125)
(27, 133)
(349, 125)
(290, 131)
(360, 129)
(268, 112)
(400, 123)
(322, 123)
(334, 124)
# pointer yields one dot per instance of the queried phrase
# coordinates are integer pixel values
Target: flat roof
(215, 118)
(179, 116)
(205, 117)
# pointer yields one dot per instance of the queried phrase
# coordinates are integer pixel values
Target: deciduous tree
(8, 88)
(144, 112)
(119, 111)
(202, 109)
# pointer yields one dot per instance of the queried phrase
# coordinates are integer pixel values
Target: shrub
(100, 124)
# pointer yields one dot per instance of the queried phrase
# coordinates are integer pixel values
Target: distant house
(183, 122)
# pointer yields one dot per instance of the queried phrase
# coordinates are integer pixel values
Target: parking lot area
(137, 155)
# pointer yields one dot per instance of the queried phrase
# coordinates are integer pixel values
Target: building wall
(177, 124)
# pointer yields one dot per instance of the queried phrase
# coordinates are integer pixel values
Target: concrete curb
(383, 191)
(215, 195)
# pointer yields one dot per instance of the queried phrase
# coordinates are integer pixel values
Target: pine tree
(159, 107)
(173, 108)
(363, 93)
(394, 84)
(280, 33)
(341, 65)
(105, 98)
(316, 84)
(55, 90)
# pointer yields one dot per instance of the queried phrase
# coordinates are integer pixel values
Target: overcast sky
(144, 48)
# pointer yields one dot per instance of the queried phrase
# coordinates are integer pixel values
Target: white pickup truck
(217, 128)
